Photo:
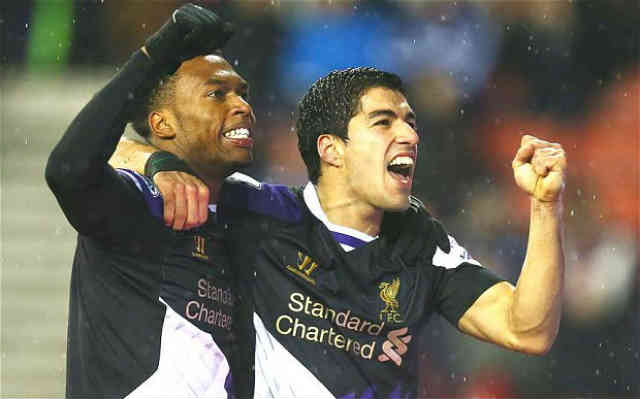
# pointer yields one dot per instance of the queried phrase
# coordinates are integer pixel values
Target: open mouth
(240, 136)
(401, 167)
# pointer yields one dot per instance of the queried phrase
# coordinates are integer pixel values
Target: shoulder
(149, 191)
(242, 193)
(456, 256)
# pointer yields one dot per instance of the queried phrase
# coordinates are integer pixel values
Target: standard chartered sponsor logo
(300, 303)
(199, 311)
(207, 289)
(202, 310)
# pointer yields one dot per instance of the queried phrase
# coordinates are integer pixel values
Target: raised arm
(526, 317)
(88, 190)
(94, 198)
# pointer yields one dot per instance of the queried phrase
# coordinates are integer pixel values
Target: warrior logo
(304, 267)
(388, 293)
(199, 243)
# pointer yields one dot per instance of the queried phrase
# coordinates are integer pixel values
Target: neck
(212, 174)
(348, 211)
(213, 178)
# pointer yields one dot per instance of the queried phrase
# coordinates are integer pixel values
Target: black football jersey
(333, 315)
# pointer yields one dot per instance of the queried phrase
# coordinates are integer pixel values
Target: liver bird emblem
(388, 293)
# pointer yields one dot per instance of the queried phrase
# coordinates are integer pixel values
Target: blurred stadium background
(480, 73)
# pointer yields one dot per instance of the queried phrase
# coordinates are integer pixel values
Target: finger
(556, 162)
(537, 143)
(191, 193)
(181, 207)
(560, 161)
(540, 168)
(538, 163)
(524, 155)
(526, 139)
(203, 203)
(545, 159)
(169, 208)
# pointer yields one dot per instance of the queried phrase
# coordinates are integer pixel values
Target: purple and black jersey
(152, 312)
(160, 325)
(333, 315)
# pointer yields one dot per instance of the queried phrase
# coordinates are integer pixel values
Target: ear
(331, 149)
(162, 124)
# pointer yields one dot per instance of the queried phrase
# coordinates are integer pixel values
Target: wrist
(163, 161)
(555, 207)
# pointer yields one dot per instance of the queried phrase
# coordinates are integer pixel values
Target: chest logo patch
(388, 294)
(199, 247)
(304, 267)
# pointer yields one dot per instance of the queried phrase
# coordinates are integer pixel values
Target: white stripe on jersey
(278, 373)
(456, 256)
(191, 364)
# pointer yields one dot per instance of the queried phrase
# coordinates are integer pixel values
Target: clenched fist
(539, 168)
(186, 199)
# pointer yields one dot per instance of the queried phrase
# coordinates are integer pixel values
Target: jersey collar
(344, 235)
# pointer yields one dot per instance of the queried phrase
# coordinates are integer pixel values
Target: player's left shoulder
(457, 256)
(244, 193)
(149, 191)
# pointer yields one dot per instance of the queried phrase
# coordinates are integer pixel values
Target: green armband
(163, 161)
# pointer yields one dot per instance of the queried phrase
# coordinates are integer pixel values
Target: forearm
(537, 301)
(88, 190)
(132, 155)
(81, 155)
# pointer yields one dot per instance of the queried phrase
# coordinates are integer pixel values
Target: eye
(382, 122)
(219, 94)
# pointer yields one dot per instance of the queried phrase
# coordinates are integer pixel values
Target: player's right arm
(186, 197)
(94, 198)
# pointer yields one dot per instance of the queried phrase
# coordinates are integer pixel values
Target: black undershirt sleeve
(95, 199)
(458, 288)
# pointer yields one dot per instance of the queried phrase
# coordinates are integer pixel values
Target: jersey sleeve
(97, 200)
(242, 194)
(150, 193)
(460, 281)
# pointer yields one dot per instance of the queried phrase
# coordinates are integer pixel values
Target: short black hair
(330, 104)
(160, 94)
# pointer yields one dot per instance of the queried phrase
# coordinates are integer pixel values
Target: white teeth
(240, 133)
(402, 161)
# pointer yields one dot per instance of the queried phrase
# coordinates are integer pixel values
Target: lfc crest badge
(388, 294)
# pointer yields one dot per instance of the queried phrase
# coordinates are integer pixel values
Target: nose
(408, 135)
(241, 107)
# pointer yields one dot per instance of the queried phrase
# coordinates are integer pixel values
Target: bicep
(488, 317)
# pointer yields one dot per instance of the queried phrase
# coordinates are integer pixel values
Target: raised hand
(191, 31)
(539, 168)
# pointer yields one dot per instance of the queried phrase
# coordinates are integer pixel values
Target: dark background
(480, 74)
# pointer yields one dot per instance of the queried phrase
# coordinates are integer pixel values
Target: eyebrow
(389, 113)
(213, 81)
